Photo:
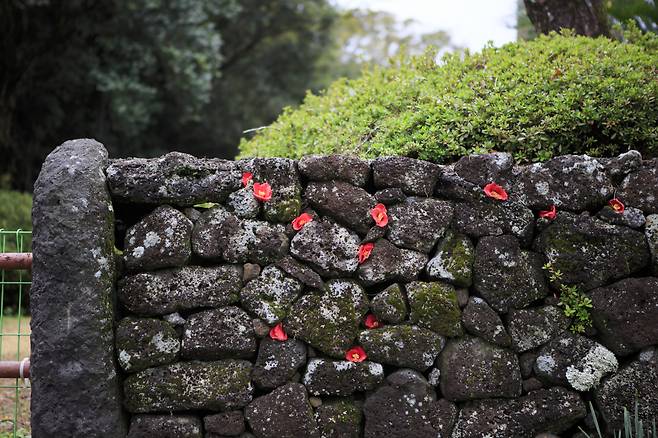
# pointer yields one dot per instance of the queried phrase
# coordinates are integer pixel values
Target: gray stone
(531, 328)
(224, 333)
(488, 217)
(250, 271)
(346, 168)
(527, 362)
(374, 233)
(165, 426)
(145, 342)
(402, 346)
(387, 262)
(300, 272)
(175, 290)
(283, 413)
(341, 378)
(471, 368)
(630, 217)
(414, 177)
(159, 240)
(462, 296)
(418, 223)
(531, 384)
(270, 295)
(485, 168)
(481, 320)
(226, 423)
(590, 252)
(638, 189)
(327, 247)
(339, 289)
(453, 260)
(339, 418)
(433, 305)
(282, 175)
(452, 186)
(651, 235)
(390, 305)
(347, 204)
(507, 276)
(175, 178)
(71, 297)
(390, 196)
(623, 164)
(277, 362)
(243, 203)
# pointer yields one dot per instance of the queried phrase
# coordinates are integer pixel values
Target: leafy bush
(554, 95)
(15, 210)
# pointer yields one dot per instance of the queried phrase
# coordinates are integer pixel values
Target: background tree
(585, 17)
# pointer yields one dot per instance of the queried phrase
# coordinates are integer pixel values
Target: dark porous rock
(481, 320)
(159, 240)
(414, 177)
(250, 271)
(389, 305)
(462, 296)
(553, 410)
(243, 203)
(215, 386)
(407, 406)
(634, 383)
(574, 361)
(623, 164)
(388, 262)
(348, 168)
(452, 186)
(433, 305)
(472, 368)
(219, 234)
(402, 346)
(374, 233)
(347, 204)
(485, 168)
(277, 362)
(174, 290)
(225, 424)
(527, 362)
(631, 217)
(571, 182)
(530, 328)
(221, 333)
(339, 418)
(453, 260)
(651, 235)
(531, 384)
(145, 342)
(341, 378)
(328, 322)
(283, 413)
(176, 178)
(270, 295)
(487, 217)
(340, 289)
(192, 213)
(165, 426)
(282, 176)
(390, 196)
(418, 223)
(625, 314)
(638, 189)
(507, 276)
(590, 252)
(300, 272)
(261, 329)
(329, 248)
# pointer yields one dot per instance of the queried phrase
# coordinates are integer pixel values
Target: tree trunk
(585, 17)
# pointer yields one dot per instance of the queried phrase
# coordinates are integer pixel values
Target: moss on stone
(283, 210)
(434, 306)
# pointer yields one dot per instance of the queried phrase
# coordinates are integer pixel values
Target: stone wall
(392, 297)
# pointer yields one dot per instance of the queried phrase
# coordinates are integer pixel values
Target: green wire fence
(14, 336)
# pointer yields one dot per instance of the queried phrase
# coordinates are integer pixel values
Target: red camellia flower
(262, 192)
(379, 214)
(616, 205)
(549, 214)
(301, 220)
(495, 191)
(364, 251)
(277, 333)
(356, 354)
(372, 322)
(246, 177)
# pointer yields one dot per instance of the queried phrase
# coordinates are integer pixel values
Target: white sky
(470, 23)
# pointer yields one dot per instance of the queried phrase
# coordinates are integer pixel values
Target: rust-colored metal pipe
(16, 260)
(12, 369)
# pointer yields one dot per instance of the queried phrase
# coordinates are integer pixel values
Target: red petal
(371, 321)
(246, 177)
(380, 215)
(277, 333)
(262, 192)
(495, 191)
(617, 205)
(550, 214)
(364, 251)
(356, 354)
(301, 220)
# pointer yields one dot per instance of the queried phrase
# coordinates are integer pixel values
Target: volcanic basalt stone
(159, 240)
(165, 426)
(219, 234)
(472, 368)
(452, 186)
(250, 271)
(283, 413)
(243, 203)
(390, 196)
(340, 418)
(553, 410)
(175, 290)
(507, 276)
(414, 177)
(485, 168)
(630, 217)
(530, 328)
(340, 289)
(625, 314)
(486, 217)
(623, 164)
(221, 333)
(527, 362)
(145, 342)
(407, 406)
(329, 248)
(433, 305)
(388, 262)
(277, 362)
(453, 260)
(390, 306)
(282, 176)
(341, 378)
(301, 272)
(589, 252)
(481, 320)
(270, 295)
(638, 189)
(346, 168)
(651, 235)
(418, 223)
(215, 386)
(374, 233)
(175, 178)
(347, 204)
(224, 424)
(402, 346)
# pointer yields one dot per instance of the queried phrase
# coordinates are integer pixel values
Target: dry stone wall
(338, 297)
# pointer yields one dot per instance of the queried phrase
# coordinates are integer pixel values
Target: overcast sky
(470, 23)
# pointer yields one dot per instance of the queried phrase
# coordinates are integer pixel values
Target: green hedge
(554, 95)
(15, 210)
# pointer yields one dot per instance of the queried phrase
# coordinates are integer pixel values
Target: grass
(14, 348)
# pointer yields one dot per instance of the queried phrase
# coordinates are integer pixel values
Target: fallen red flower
(301, 220)
(277, 333)
(495, 191)
(356, 354)
(372, 322)
(379, 214)
(549, 214)
(262, 192)
(364, 251)
(617, 205)
(246, 177)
